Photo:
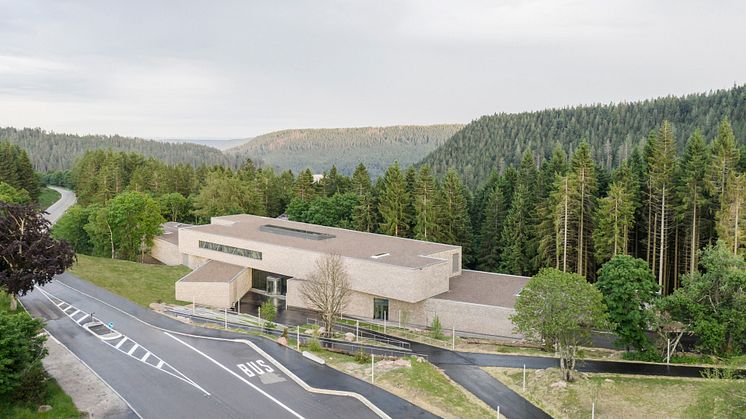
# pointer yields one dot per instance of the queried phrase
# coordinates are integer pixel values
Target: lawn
(47, 197)
(619, 396)
(138, 282)
(62, 405)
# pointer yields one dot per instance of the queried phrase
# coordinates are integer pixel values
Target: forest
(319, 149)
(51, 151)
(497, 141)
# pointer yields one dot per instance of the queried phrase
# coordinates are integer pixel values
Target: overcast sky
(220, 69)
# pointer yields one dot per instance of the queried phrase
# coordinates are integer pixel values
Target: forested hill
(51, 151)
(493, 142)
(319, 149)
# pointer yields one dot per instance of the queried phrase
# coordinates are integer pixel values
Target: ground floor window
(380, 308)
(271, 283)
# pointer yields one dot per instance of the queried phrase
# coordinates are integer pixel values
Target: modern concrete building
(241, 257)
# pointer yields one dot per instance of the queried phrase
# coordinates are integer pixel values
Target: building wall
(367, 276)
(214, 294)
(166, 252)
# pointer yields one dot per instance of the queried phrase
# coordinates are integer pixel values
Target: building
(241, 257)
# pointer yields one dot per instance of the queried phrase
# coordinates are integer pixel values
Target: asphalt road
(200, 376)
(55, 211)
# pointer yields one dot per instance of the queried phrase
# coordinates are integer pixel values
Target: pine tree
(393, 202)
(410, 180)
(691, 199)
(661, 170)
(731, 219)
(582, 187)
(517, 253)
(304, 186)
(361, 184)
(425, 197)
(492, 225)
(454, 223)
(614, 219)
(724, 160)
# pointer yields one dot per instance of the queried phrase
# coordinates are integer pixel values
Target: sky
(235, 69)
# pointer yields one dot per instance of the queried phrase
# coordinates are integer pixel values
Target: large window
(253, 254)
(380, 308)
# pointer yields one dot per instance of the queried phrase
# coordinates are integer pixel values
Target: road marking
(82, 318)
(375, 409)
(133, 349)
(160, 364)
(75, 313)
(147, 355)
(121, 342)
(233, 373)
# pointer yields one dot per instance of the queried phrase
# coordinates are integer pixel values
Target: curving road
(56, 210)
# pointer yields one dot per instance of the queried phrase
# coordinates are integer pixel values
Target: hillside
(51, 151)
(219, 144)
(319, 149)
(495, 141)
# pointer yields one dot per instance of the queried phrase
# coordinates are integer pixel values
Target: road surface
(67, 199)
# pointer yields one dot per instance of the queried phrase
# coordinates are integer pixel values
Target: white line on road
(144, 358)
(236, 375)
(121, 342)
(75, 313)
(133, 349)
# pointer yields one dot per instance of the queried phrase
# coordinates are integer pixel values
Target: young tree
(731, 219)
(393, 203)
(29, 256)
(559, 309)
(425, 196)
(304, 187)
(361, 180)
(21, 352)
(223, 194)
(661, 169)
(713, 301)
(71, 228)
(133, 220)
(327, 289)
(629, 288)
(174, 206)
(12, 195)
(724, 160)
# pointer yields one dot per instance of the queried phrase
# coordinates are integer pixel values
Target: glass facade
(380, 308)
(271, 283)
(253, 254)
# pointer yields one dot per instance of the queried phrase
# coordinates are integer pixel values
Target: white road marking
(160, 364)
(82, 318)
(133, 349)
(144, 358)
(121, 342)
(233, 373)
(375, 409)
(75, 313)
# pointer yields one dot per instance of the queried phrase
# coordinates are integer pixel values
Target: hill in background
(319, 149)
(493, 142)
(51, 151)
(220, 144)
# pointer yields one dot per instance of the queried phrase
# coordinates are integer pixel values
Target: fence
(364, 334)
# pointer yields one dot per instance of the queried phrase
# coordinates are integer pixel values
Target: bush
(436, 329)
(314, 345)
(645, 356)
(32, 386)
(362, 357)
(269, 312)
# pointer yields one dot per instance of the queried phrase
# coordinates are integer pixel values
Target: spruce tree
(361, 184)
(614, 219)
(731, 219)
(491, 228)
(454, 224)
(516, 254)
(582, 187)
(725, 156)
(425, 197)
(304, 186)
(393, 202)
(662, 165)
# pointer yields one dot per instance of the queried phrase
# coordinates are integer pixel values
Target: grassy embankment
(62, 405)
(624, 396)
(47, 197)
(138, 282)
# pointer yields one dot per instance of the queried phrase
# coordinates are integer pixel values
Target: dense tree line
(50, 151)
(319, 149)
(16, 170)
(498, 141)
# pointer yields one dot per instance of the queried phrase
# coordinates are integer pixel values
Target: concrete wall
(366, 276)
(166, 252)
(215, 294)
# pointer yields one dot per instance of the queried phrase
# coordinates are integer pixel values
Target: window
(381, 308)
(456, 262)
(253, 254)
(294, 232)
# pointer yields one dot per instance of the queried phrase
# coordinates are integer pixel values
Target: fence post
(399, 318)
(593, 410)
(226, 317)
(297, 338)
(668, 351)
(524, 377)
(194, 305)
(238, 306)
(372, 368)
(453, 337)
(498, 411)
(259, 313)
(357, 330)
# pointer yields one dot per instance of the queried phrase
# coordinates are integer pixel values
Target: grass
(138, 282)
(618, 396)
(47, 197)
(62, 405)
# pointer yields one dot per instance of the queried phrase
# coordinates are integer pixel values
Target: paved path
(221, 376)
(67, 200)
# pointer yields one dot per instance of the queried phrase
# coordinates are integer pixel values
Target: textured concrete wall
(366, 276)
(166, 252)
(214, 294)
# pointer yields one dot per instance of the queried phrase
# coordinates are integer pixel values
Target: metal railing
(362, 333)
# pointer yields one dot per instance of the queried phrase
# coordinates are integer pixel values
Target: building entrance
(381, 308)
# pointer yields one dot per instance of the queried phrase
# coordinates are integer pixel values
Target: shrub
(269, 312)
(314, 345)
(32, 386)
(362, 357)
(436, 329)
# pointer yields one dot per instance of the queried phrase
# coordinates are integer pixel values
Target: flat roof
(485, 288)
(347, 243)
(171, 231)
(213, 271)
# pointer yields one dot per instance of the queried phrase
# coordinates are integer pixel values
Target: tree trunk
(693, 244)
(13, 302)
(663, 241)
(564, 245)
(581, 227)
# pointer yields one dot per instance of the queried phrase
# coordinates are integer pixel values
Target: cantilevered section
(485, 288)
(215, 283)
